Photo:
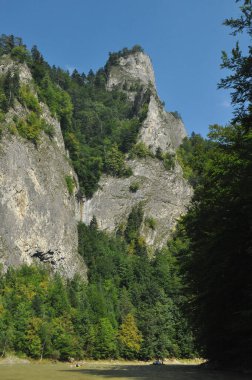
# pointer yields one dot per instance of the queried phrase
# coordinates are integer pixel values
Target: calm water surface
(113, 372)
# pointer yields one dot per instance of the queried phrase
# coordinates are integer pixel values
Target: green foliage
(48, 129)
(134, 187)
(239, 81)
(143, 111)
(28, 99)
(168, 161)
(31, 126)
(130, 338)
(8, 43)
(143, 297)
(218, 255)
(217, 227)
(2, 116)
(177, 115)
(140, 150)
(191, 156)
(150, 222)
(167, 158)
(10, 87)
(3, 98)
(135, 219)
(131, 306)
(58, 101)
(105, 344)
(70, 184)
(20, 54)
(115, 164)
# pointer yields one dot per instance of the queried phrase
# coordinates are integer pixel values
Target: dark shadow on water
(152, 372)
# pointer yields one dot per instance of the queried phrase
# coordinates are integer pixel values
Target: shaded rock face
(163, 193)
(37, 214)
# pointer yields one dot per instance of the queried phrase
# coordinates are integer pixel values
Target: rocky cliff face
(163, 193)
(38, 223)
(135, 68)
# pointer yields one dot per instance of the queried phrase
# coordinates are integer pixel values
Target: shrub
(143, 112)
(2, 116)
(3, 100)
(30, 127)
(177, 115)
(169, 161)
(12, 129)
(28, 99)
(150, 222)
(70, 184)
(114, 163)
(134, 222)
(48, 128)
(140, 150)
(167, 158)
(134, 187)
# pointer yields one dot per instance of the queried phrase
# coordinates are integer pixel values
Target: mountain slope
(157, 181)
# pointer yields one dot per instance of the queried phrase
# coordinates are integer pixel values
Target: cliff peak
(125, 71)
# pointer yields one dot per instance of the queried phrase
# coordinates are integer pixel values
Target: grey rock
(136, 67)
(37, 215)
(164, 195)
(161, 129)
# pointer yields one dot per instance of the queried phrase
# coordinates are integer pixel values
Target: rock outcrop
(163, 193)
(38, 223)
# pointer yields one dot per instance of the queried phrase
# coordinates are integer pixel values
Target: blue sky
(184, 39)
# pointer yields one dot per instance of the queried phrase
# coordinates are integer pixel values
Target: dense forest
(191, 298)
(130, 308)
(217, 229)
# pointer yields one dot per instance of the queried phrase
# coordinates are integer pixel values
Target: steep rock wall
(163, 195)
(37, 215)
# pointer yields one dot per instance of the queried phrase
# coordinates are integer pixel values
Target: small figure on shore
(158, 361)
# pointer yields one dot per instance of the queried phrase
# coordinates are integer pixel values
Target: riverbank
(13, 360)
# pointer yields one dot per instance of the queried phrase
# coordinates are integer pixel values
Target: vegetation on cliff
(98, 126)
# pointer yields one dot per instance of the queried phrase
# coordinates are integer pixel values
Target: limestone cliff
(163, 193)
(38, 223)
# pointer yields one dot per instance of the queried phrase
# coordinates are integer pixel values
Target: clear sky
(184, 39)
